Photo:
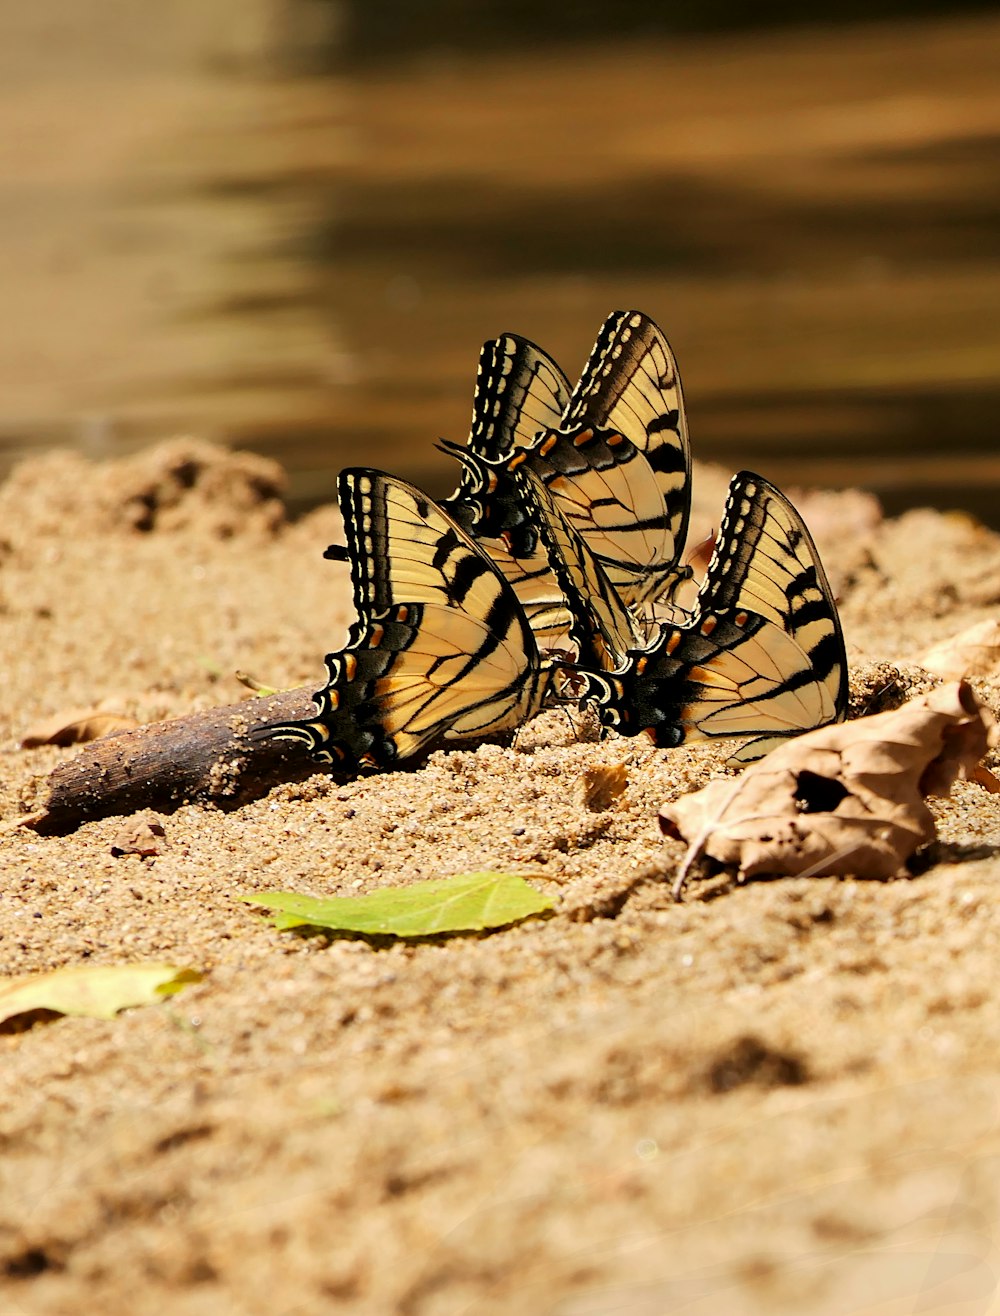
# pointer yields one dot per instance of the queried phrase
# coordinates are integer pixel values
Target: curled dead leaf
(602, 785)
(973, 652)
(75, 727)
(846, 799)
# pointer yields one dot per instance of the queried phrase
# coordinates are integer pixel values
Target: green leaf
(469, 902)
(97, 990)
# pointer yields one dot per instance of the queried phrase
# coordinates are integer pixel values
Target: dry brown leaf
(142, 835)
(601, 786)
(973, 652)
(846, 799)
(75, 727)
(986, 779)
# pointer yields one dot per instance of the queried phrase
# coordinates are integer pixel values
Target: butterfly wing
(763, 655)
(631, 386)
(520, 391)
(441, 647)
(601, 628)
(618, 463)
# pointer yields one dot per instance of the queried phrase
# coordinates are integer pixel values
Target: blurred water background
(289, 225)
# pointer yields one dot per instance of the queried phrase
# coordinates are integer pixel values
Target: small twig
(210, 756)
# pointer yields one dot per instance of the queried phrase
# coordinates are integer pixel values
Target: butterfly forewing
(631, 386)
(520, 391)
(765, 560)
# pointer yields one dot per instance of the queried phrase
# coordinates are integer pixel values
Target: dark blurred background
(289, 225)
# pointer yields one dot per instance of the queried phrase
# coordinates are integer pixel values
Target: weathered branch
(209, 756)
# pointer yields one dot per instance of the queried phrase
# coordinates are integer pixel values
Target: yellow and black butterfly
(763, 653)
(520, 392)
(618, 462)
(441, 648)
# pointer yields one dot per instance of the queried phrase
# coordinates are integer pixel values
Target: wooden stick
(209, 756)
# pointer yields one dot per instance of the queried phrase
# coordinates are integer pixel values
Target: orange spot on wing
(741, 618)
(350, 666)
(583, 437)
(709, 625)
(673, 642)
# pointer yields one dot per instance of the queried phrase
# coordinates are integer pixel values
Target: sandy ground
(782, 1097)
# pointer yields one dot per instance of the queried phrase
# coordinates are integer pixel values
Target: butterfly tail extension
(347, 730)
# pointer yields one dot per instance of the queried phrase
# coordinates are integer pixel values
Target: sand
(779, 1097)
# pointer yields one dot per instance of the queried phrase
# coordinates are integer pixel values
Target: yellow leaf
(96, 990)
